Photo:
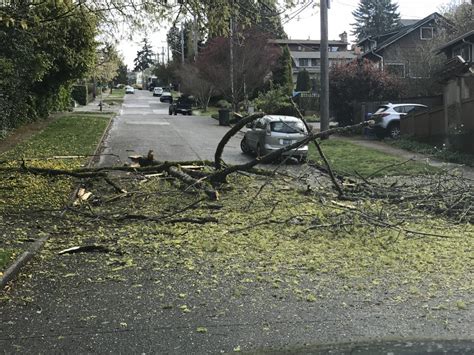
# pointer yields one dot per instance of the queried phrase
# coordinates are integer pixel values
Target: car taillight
(384, 114)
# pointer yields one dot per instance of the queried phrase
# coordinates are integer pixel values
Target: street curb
(14, 269)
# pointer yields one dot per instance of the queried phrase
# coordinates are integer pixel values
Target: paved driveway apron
(144, 124)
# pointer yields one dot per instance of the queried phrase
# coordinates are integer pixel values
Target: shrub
(223, 104)
(275, 102)
(79, 93)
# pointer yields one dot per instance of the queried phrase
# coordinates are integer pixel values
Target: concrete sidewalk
(94, 105)
(466, 171)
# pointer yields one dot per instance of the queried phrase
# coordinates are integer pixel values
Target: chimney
(343, 37)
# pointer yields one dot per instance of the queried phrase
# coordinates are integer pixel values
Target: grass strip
(349, 158)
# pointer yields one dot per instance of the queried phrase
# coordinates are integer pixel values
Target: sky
(302, 25)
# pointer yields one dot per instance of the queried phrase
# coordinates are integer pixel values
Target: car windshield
(287, 127)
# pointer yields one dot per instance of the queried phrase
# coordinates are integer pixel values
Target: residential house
(404, 51)
(306, 54)
(454, 120)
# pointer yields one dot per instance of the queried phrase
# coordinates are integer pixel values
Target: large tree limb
(230, 133)
(175, 172)
(220, 176)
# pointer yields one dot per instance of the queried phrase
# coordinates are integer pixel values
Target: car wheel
(244, 146)
(175, 113)
(394, 130)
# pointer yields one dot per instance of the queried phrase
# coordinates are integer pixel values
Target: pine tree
(144, 57)
(282, 75)
(303, 81)
(375, 17)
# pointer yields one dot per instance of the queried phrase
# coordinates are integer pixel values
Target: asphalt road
(144, 124)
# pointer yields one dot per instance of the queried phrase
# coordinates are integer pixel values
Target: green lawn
(69, 135)
(351, 159)
(116, 96)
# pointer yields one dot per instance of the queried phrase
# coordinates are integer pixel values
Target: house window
(426, 33)
(395, 69)
(304, 62)
(314, 62)
(464, 51)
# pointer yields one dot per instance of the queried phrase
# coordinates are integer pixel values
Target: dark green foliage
(79, 93)
(303, 81)
(121, 77)
(144, 58)
(358, 81)
(275, 102)
(41, 56)
(375, 17)
(282, 75)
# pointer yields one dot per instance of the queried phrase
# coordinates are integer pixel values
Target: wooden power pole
(324, 98)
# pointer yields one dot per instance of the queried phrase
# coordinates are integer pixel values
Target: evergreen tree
(269, 19)
(303, 81)
(282, 75)
(374, 17)
(144, 57)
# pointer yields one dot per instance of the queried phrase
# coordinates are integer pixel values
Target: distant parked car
(166, 97)
(387, 118)
(157, 91)
(183, 105)
(129, 89)
(271, 133)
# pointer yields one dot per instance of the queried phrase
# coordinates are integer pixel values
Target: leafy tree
(122, 74)
(283, 73)
(358, 80)
(166, 73)
(461, 17)
(193, 83)
(254, 59)
(45, 47)
(374, 17)
(106, 64)
(303, 81)
(144, 58)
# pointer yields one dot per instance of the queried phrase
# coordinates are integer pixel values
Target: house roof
(454, 41)
(306, 42)
(331, 55)
(404, 31)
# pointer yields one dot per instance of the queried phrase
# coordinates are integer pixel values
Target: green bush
(80, 93)
(275, 102)
(223, 104)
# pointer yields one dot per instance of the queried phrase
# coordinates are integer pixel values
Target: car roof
(397, 105)
(276, 118)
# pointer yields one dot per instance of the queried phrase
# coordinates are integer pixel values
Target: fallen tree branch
(320, 151)
(180, 175)
(220, 176)
(230, 133)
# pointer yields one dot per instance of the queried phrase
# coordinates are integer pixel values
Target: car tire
(175, 113)
(394, 130)
(244, 146)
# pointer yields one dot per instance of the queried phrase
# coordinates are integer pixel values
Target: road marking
(136, 105)
(148, 123)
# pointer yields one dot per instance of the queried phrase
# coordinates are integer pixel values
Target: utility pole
(324, 99)
(182, 44)
(231, 45)
(195, 37)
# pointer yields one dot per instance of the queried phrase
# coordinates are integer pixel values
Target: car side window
(399, 109)
(408, 109)
(260, 124)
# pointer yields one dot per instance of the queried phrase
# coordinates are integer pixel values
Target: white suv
(387, 118)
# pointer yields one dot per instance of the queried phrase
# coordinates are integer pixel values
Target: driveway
(144, 124)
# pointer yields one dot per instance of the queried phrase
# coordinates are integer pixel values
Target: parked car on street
(129, 89)
(166, 97)
(157, 91)
(183, 105)
(271, 133)
(387, 118)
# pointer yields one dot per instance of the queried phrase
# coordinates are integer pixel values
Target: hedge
(80, 94)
